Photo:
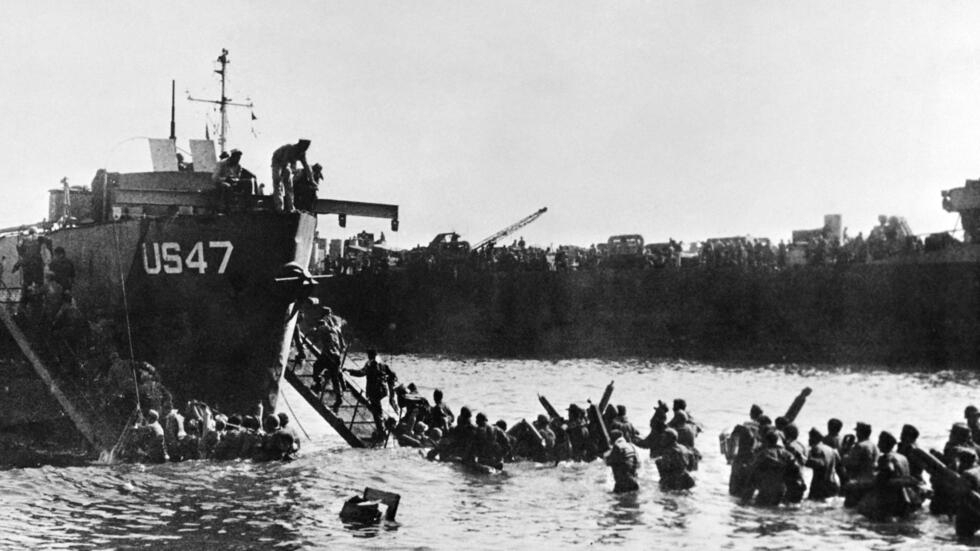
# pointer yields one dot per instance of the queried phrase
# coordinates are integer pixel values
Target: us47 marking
(168, 258)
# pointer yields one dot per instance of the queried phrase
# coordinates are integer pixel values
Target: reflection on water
(624, 512)
(370, 530)
(243, 505)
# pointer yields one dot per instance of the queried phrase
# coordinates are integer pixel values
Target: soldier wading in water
(623, 461)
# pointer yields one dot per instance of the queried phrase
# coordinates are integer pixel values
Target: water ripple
(244, 505)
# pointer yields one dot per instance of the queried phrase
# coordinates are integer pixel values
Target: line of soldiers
(583, 435)
(881, 479)
(197, 433)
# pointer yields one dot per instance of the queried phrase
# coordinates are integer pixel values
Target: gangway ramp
(353, 420)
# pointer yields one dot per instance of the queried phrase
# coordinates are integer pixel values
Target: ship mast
(223, 60)
(173, 123)
(224, 101)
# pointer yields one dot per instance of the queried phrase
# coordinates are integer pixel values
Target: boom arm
(510, 229)
(356, 208)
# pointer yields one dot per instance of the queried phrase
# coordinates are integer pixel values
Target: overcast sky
(670, 119)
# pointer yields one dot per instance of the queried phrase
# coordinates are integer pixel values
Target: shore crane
(489, 241)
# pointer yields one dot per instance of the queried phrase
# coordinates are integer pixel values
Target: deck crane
(489, 241)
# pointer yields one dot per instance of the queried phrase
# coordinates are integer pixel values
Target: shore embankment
(922, 314)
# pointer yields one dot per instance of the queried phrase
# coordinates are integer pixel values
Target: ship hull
(922, 312)
(194, 296)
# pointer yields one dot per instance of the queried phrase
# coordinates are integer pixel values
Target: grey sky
(670, 119)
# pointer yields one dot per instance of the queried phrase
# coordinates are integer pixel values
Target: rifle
(605, 397)
(552, 412)
(602, 426)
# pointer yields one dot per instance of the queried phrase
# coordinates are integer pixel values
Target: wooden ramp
(74, 400)
(352, 420)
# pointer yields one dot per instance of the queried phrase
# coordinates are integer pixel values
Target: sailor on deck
(305, 187)
(228, 171)
(284, 162)
(229, 177)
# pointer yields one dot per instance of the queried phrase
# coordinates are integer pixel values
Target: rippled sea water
(245, 505)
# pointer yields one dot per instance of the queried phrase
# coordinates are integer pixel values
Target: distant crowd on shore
(889, 239)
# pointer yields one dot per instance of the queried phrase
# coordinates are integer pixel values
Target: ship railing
(353, 417)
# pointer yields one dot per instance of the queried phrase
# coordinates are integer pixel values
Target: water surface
(245, 505)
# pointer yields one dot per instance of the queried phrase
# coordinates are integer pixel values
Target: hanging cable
(300, 425)
(130, 426)
(129, 329)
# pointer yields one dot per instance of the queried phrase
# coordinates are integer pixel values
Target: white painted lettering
(156, 260)
(228, 247)
(195, 260)
(167, 258)
(170, 253)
